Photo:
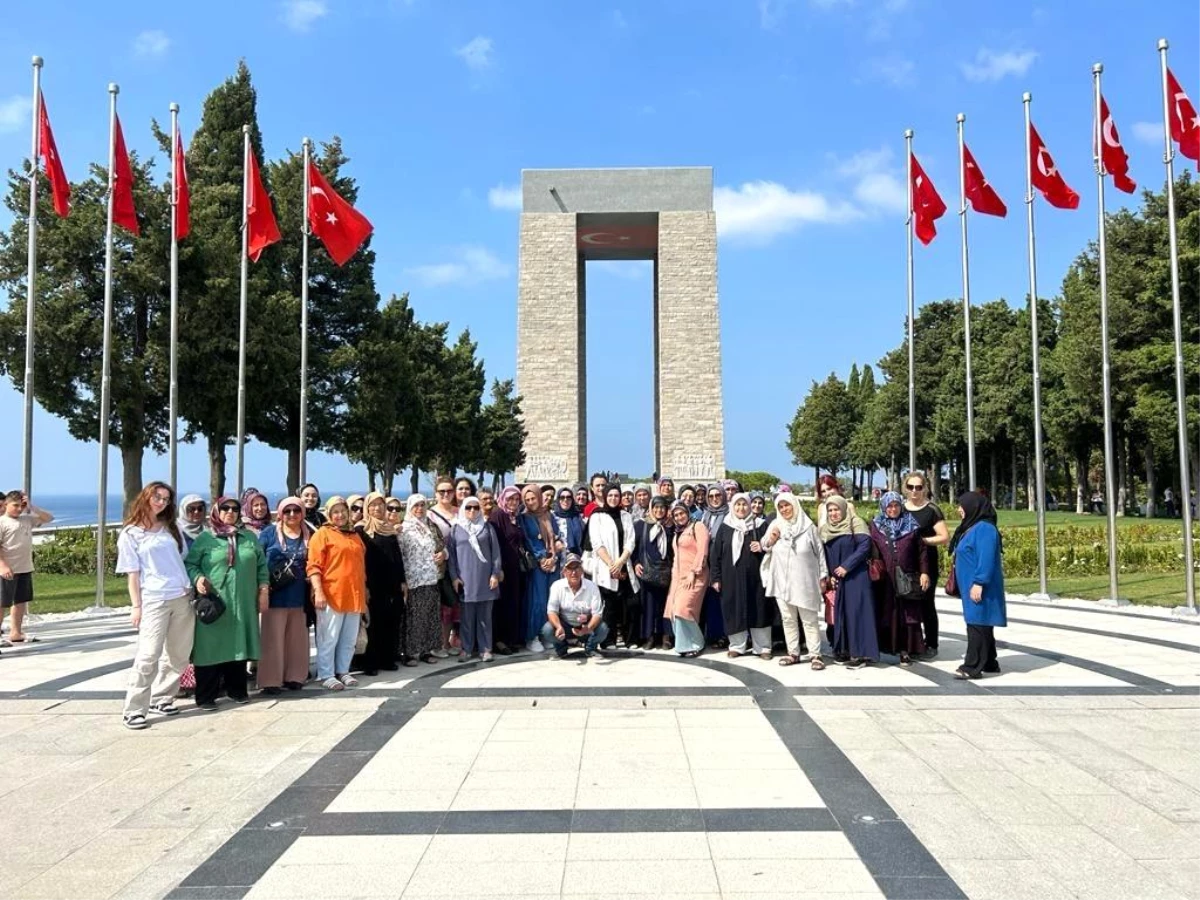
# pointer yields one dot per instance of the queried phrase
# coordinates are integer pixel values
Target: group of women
(220, 589)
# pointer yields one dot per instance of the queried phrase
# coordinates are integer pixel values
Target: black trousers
(981, 650)
(384, 627)
(228, 675)
(622, 612)
(929, 613)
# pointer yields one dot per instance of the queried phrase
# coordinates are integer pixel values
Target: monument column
(688, 341)
(551, 349)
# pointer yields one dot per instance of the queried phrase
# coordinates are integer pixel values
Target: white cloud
(151, 44)
(299, 15)
(1150, 132)
(15, 112)
(504, 197)
(991, 65)
(476, 53)
(625, 269)
(763, 209)
(878, 182)
(895, 70)
(619, 19)
(472, 265)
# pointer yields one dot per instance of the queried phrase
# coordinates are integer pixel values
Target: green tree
(503, 432)
(70, 309)
(755, 481)
(820, 433)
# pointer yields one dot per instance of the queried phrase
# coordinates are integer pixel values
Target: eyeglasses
(161, 498)
(357, 507)
(395, 507)
(293, 511)
(443, 491)
(914, 487)
(231, 507)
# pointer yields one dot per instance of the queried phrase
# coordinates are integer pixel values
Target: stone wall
(689, 348)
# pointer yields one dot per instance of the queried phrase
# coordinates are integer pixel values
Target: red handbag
(830, 595)
(876, 569)
(952, 582)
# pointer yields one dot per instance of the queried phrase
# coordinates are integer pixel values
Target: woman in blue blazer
(976, 548)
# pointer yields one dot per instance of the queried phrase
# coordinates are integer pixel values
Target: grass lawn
(1147, 588)
(71, 593)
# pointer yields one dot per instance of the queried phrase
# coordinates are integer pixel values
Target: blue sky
(799, 105)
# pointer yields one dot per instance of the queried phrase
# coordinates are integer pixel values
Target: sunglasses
(196, 508)
(395, 507)
(914, 487)
(444, 491)
(293, 511)
(357, 507)
(231, 507)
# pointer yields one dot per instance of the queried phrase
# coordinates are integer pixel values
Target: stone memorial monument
(570, 216)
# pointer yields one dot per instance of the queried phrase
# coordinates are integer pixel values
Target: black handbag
(525, 561)
(447, 594)
(284, 574)
(208, 607)
(905, 584)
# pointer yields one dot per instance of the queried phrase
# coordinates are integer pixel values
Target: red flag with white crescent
(60, 188)
(341, 227)
(1046, 177)
(124, 211)
(982, 195)
(927, 205)
(1112, 154)
(260, 218)
(1185, 124)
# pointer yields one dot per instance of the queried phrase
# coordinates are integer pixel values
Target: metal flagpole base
(1114, 601)
(1188, 612)
(1039, 597)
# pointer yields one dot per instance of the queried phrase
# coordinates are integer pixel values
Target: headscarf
(221, 530)
(472, 528)
(790, 529)
(731, 483)
(306, 530)
(572, 512)
(191, 529)
(350, 502)
(713, 517)
(976, 508)
(849, 524)
(657, 533)
(328, 508)
(247, 499)
(312, 516)
(901, 525)
(410, 517)
(503, 499)
(371, 525)
(540, 515)
(739, 526)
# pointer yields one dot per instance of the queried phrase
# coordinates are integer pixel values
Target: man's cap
(572, 559)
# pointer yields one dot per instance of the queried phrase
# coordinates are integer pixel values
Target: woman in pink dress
(689, 579)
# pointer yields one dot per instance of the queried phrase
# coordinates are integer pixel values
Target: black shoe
(391, 667)
(241, 700)
(370, 672)
(503, 649)
(207, 707)
(294, 685)
(992, 669)
(272, 691)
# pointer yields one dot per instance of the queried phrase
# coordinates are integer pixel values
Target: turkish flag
(341, 227)
(183, 195)
(262, 231)
(59, 186)
(1113, 155)
(1185, 124)
(124, 213)
(982, 195)
(1046, 177)
(927, 205)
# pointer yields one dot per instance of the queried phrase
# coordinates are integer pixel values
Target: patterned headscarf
(898, 527)
(220, 529)
(247, 502)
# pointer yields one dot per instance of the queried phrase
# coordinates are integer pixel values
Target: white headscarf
(191, 529)
(739, 526)
(472, 528)
(417, 522)
(799, 523)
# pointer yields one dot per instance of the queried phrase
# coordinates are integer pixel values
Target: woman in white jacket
(608, 552)
(794, 576)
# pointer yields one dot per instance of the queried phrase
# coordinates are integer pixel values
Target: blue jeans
(336, 634)
(591, 642)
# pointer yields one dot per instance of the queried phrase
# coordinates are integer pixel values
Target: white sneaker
(454, 651)
(535, 646)
(440, 654)
(486, 656)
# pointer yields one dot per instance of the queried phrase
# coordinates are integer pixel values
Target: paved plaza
(1074, 774)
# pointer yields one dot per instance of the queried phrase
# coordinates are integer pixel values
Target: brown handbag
(952, 581)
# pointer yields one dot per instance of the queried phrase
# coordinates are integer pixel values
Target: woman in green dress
(229, 560)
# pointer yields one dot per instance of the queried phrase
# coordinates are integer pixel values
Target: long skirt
(854, 631)
(623, 613)
(537, 597)
(711, 616)
(423, 633)
(508, 610)
(688, 636)
(900, 620)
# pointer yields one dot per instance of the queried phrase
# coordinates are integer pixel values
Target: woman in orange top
(337, 569)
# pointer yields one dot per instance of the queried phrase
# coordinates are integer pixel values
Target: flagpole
(1176, 308)
(962, 213)
(173, 401)
(106, 356)
(31, 278)
(243, 313)
(912, 357)
(1039, 463)
(305, 231)
(1110, 493)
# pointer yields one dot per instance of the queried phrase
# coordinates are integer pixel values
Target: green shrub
(72, 551)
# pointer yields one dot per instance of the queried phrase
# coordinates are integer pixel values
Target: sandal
(733, 654)
(817, 664)
(964, 675)
(789, 660)
(690, 654)
(766, 654)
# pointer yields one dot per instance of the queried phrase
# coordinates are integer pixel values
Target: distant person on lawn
(16, 560)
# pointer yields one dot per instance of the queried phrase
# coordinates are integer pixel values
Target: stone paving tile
(651, 847)
(1183, 874)
(816, 845)
(1007, 879)
(792, 877)
(678, 876)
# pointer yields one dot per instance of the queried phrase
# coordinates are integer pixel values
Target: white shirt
(575, 608)
(156, 558)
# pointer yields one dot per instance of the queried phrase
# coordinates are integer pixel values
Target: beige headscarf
(850, 524)
(372, 525)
